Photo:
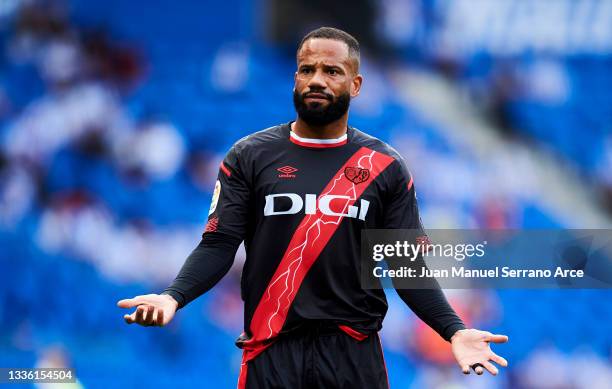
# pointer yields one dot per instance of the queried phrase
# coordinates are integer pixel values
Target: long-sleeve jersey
(300, 206)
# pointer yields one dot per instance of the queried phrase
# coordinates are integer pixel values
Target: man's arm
(204, 268)
(470, 347)
(431, 306)
(402, 212)
(212, 258)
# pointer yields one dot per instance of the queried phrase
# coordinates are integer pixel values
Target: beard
(317, 114)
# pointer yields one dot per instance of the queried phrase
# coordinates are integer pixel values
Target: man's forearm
(430, 305)
(204, 268)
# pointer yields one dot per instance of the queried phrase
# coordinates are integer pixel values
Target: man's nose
(317, 80)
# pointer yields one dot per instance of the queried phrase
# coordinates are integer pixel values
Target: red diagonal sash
(307, 243)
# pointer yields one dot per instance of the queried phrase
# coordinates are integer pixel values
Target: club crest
(356, 175)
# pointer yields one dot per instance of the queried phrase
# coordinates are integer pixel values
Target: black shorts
(317, 357)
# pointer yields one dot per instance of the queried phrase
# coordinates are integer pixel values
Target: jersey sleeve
(428, 302)
(401, 209)
(229, 208)
(225, 230)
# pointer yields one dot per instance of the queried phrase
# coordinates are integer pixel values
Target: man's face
(325, 81)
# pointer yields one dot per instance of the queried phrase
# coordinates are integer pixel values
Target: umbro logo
(287, 171)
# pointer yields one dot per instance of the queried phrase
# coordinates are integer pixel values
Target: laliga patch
(215, 198)
(356, 175)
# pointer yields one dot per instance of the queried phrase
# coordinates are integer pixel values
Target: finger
(139, 314)
(129, 303)
(499, 360)
(150, 310)
(465, 369)
(497, 338)
(155, 316)
(160, 317)
(478, 369)
(129, 319)
(490, 367)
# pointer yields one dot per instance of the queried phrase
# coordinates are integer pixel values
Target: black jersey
(300, 206)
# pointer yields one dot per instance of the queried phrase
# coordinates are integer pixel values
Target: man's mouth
(316, 97)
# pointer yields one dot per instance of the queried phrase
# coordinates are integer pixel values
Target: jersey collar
(317, 143)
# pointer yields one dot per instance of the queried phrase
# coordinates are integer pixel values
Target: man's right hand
(151, 309)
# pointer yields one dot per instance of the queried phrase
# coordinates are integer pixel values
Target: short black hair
(335, 34)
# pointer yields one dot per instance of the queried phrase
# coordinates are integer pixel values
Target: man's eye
(305, 71)
(332, 72)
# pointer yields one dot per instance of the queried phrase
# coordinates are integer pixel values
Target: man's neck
(329, 131)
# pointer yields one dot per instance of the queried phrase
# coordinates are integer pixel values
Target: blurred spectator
(56, 120)
(576, 371)
(230, 68)
(56, 357)
(604, 171)
(155, 150)
(76, 224)
(17, 194)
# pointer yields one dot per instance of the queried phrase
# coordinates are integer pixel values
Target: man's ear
(295, 77)
(356, 85)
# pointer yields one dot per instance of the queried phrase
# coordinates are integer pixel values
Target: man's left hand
(472, 351)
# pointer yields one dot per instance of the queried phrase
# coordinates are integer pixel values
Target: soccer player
(299, 194)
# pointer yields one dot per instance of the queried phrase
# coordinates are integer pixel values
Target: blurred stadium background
(114, 116)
